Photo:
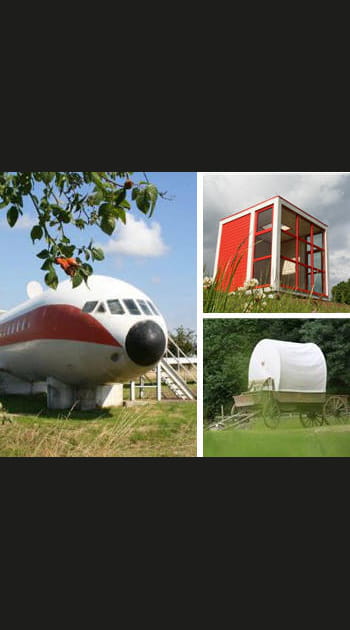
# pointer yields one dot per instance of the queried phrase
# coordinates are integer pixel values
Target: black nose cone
(145, 343)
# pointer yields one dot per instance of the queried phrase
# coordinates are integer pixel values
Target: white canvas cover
(294, 367)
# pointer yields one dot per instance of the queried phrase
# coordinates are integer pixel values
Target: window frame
(96, 302)
(123, 312)
(258, 233)
(311, 269)
(124, 300)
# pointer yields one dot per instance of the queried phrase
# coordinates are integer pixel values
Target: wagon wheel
(311, 418)
(271, 413)
(336, 409)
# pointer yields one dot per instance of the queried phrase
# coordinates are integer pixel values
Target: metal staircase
(174, 381)
(168, 373)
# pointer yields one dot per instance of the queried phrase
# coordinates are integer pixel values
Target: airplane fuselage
(107, 332)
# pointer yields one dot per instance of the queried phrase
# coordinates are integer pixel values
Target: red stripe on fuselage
(56, 321)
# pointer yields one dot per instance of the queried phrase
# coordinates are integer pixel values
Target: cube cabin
(280, 245)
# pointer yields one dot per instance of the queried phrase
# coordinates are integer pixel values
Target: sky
(324, 195)
(158, 255)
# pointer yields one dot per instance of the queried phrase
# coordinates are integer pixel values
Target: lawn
(257, 301)
(165, 429)
(290, 439)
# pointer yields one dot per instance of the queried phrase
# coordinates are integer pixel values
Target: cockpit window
(153, 308)
(144, 307)
(132, 307)
(115, 307)
(101, 308)
(89, 307)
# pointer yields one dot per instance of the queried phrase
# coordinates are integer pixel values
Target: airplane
(106, 332)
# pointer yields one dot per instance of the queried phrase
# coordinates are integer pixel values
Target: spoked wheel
(311, 419)
(271, 413)
(336, 409)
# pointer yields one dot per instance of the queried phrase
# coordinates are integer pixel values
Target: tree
(186, 339)
(333, 337)
(341, 292)
(80, 199)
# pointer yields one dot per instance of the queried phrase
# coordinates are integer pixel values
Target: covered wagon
(285, 376)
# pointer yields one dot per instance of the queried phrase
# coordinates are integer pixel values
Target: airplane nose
(145, 343)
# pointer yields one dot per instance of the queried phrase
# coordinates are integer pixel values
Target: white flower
(270, 296)
(241, 289)
(258, 294)
(207, 282)
(254, 282)
(264, 304)
(267, 289)
(249, 292)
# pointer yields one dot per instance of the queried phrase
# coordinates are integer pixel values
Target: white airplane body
(108, 332)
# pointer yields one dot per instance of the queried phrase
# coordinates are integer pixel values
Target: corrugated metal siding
(234, 247)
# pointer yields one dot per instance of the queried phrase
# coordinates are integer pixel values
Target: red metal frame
(258, 233)
(313, 249)
(270, 199)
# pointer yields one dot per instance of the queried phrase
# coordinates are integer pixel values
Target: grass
(290, 439)
(153, 430)
(216, 301)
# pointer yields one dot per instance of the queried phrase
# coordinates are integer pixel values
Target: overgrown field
(153, 430)
(290, 439)
(215, 301)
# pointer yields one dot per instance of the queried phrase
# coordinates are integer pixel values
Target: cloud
(137, 238)
(24, 222)
(324, 195)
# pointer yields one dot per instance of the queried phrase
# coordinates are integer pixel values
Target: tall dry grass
(61, 439)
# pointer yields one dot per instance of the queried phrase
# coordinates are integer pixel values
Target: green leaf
(77, 279)
(12, 216)
(106, 209)
(36, 233)
(48, 177)
(97, 253)
(153, 196)
(97, 180)
(120, 196)
(108, 224)
(135, 192)
(47, 266)
(143, 201)
(67, 250)
(51, 279)
(122, 215)
(86, 269)
(43, 254)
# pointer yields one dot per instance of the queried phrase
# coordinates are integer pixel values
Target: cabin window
(146, 309)
(262, 246)
(132, 307)
(115, 307)
(89, 307)
(303, 264)
(101, 308)
(152, 307)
